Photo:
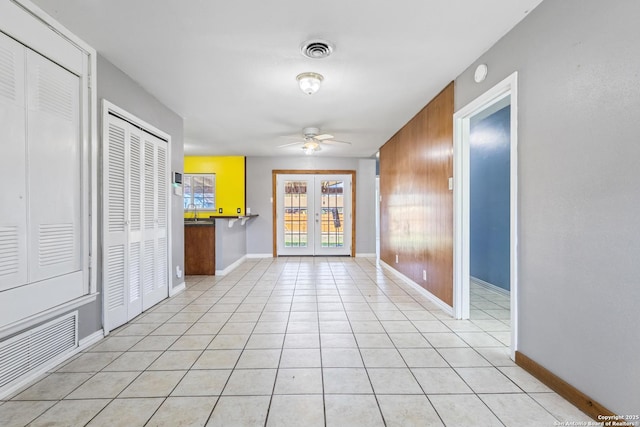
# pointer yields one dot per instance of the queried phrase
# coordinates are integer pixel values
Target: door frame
(276, 172)
(461, 204)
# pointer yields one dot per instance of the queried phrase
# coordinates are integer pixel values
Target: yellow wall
(230, 185)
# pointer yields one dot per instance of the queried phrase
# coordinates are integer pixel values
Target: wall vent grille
(55, 91)
(56, 244)
(7, 74)
(9, 251)
(36, 347)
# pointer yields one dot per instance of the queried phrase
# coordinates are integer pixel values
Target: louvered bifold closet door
(162, 214)
(13, 197)
(135, 209)
(155, 222)
(53, 144)
(115, 213)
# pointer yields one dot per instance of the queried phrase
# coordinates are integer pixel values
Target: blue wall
(489, 197)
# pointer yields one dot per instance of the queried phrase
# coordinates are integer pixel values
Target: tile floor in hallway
(294, 342)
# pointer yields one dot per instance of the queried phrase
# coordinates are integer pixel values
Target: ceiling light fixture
(309, 82)
(311, 147)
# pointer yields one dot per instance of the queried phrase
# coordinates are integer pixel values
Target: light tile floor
(296, 342)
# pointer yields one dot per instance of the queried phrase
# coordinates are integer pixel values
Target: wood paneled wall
(416, 212)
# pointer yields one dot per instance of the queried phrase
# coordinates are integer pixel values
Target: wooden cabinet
(200, 249)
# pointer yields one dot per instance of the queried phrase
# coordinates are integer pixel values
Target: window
(199, 191)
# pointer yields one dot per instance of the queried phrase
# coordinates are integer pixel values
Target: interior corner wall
(416, 210)
(578, 151)
(115, 86)
(259, 189)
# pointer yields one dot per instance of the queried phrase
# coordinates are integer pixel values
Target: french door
(313, 214)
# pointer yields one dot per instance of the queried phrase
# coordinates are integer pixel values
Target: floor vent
(37, 347)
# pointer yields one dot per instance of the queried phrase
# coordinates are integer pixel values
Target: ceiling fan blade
(333, 141)
(323, 137)
(290, 144)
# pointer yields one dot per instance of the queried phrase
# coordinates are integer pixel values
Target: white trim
(49, 314)
(231, 267)
(95, 155)
(177, 289)
(489, 286)
(35, 10)
(252, 256)
(35, 374)
(461, 131)
(431, 297)
(365, 255)
(90, 340)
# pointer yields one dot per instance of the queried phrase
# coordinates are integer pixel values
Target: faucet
(195, 211)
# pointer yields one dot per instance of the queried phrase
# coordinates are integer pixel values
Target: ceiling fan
(313, 140)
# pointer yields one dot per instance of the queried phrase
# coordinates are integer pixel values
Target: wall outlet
(219, 210)
(178, 272)
(239, 210)
(424, 275)
(396, 258)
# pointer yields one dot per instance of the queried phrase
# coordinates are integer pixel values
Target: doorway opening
(485, 211)
(313, 213)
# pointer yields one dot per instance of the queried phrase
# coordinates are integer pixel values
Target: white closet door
(162, 214)
(134, 178)
(53, 144)
(155, 287)
(13, 197)
(135, 188)
(115, 268)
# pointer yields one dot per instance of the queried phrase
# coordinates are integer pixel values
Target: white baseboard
(431, 297)
(84, 343)
(231, 267)
(177, 289)
(490, 286)
(90, 339)
(365, 255)
(249, 256)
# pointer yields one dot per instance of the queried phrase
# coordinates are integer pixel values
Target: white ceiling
(229, 67)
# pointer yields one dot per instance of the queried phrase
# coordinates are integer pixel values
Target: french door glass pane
(332, 217)
(295, 214)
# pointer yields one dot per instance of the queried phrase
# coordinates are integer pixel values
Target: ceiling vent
(316, 49)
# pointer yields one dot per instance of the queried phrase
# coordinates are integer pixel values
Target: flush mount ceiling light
(309, 82)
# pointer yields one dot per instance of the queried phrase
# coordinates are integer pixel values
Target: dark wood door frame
(276, 172)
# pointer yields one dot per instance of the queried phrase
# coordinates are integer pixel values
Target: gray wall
(259, 189)
(579, 100)
(121, 90)
(231, 243)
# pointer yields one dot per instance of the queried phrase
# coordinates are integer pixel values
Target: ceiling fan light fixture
(311, 147)
(309, 82)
